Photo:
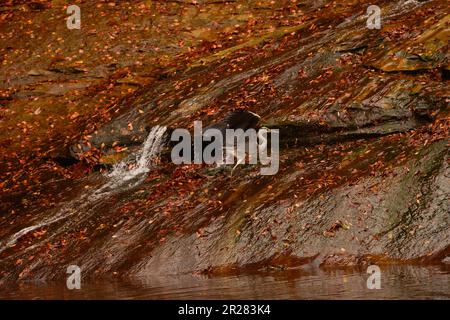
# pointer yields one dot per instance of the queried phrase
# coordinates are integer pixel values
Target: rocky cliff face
(362, 114)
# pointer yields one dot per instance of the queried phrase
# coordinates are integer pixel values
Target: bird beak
(256, 115)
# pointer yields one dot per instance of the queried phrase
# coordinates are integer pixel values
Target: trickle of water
(122, 172)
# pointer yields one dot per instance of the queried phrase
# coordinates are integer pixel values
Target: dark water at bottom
(397, 282)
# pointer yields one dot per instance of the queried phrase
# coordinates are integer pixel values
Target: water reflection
(398, 282)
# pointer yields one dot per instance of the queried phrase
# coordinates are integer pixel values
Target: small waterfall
(125, 171)
(125, 175)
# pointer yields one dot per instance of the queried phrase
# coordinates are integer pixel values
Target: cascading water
(125, 171)
(125, 175)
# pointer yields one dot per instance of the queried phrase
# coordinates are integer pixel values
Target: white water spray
(125, 171)
(119, 180)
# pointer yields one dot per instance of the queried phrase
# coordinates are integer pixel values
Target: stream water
(397, 282)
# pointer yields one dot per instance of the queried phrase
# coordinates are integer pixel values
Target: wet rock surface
(363, 120)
